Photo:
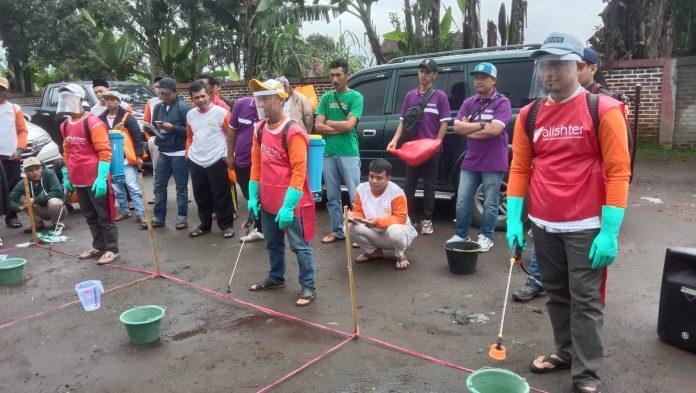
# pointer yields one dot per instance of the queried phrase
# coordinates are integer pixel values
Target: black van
(384, 88)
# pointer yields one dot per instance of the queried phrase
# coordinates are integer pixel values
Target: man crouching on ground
(279, 189)
(379, 220)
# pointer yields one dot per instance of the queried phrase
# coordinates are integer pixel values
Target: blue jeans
(534, 265)
(131, 183)
(335, 169)
(166, 167)
(468, 183)
(275, 244)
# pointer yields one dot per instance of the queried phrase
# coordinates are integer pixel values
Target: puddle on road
(220, 323)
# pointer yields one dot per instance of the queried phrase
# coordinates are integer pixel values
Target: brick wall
(238, 89)
(26, 98)
(685, 104)
(650, 78)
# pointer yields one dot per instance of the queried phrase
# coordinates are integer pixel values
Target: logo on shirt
(269, 151)
(569, 131)
(76, 139)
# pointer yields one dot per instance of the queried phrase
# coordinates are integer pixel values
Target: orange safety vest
(128, 145)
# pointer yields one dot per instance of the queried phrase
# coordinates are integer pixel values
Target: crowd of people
(570, 167)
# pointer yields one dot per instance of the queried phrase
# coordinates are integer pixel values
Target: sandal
(557, 363)
(265, 285)
(364, 258)
(307, 294)
(108, 257)
(586, 389)
(123, 216)
(179, 226)
(401, 264)
(14, 223)
(228, 233)
(93, 253)
(331, 238)
(198, 232)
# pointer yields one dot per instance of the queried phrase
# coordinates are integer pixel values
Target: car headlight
(40, 142)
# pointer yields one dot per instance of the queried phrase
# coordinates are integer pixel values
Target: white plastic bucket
(89, 293)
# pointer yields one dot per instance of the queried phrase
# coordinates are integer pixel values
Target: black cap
(100, 82)
(429, 64)
(167, 85)
(157, 79)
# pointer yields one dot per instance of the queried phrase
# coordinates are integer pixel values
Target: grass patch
(656, 151)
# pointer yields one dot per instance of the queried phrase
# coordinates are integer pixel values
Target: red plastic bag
(417, 152)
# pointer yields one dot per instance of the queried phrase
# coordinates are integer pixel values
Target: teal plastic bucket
(143, 323)
(12, 271)
(315, 163)
(496, 380)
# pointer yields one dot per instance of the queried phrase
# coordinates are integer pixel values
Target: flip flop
(228, 233)
(306, 294)
(265, 285)
(198, 232)
(107, 258)
(93, 253)
(331, 238)
(401, 261)
(558, 364)
(364, 258)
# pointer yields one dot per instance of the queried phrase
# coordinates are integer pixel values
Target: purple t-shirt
(491, 154)
(437, 110)
(243, 118)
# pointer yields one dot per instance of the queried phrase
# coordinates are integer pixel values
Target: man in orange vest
(117, 119)
(576, 176)
(87, 155)
(13, 142)
(279, 191)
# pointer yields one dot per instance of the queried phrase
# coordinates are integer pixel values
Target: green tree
(362, 9)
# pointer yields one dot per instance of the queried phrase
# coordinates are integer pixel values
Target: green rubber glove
(286, 214)
(606, 245)
(99, 187)
(253, 204)
(66, 181)
(515, 230)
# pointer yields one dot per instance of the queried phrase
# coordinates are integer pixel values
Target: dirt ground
(215, 345)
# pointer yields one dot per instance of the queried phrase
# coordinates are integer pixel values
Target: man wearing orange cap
(279, 191)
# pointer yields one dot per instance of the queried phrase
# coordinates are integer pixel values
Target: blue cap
(561, 44)
(591, 57)
(485, 68)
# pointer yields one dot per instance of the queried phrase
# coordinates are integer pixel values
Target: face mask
(550, 73)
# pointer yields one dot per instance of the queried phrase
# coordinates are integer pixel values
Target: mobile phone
(359, 220)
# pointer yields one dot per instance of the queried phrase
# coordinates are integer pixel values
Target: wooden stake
(30, 207)
(148, 220)
(349, 259)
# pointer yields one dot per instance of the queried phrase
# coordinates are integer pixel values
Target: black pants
(428, 172)
(98, 215)
(243, 177)
(13, 172)
(211, 190)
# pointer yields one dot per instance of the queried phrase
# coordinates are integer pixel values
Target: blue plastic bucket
(315, 163)
(116, 139)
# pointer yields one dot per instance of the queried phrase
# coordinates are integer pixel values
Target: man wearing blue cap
(573, 168)
(586, 77)
(482, 118)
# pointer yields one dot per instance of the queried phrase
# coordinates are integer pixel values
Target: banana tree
(118, 55)
(445, 37)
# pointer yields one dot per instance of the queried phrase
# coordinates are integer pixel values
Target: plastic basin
(143, 323)
(12, 271)
(496, 380)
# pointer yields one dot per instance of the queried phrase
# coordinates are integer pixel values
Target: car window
(133, 93)
(407, 81)
(514, 80)
(374, 90)
(52, 97)
(455, 88)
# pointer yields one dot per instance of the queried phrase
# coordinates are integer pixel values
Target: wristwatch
(483, 124)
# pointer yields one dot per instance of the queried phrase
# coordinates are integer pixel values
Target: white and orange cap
(267, 88)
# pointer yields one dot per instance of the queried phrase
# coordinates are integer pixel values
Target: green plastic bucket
(12, 271)
(143, 323)
(496, 380)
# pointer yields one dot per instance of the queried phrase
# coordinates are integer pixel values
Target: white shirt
(381, 206)
(209, 140)
(8, 128)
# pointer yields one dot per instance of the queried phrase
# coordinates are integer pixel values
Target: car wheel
(477, 211)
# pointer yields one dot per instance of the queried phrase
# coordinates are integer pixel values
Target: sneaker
(152, 201)
(426, 227)
(531, 289)
(253, 236)
(456, 238)
(485, 243)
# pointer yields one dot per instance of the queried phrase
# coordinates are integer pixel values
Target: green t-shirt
(345, 144)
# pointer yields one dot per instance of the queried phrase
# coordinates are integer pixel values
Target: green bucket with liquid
(12, 271)
(143, 323)
(496, 380)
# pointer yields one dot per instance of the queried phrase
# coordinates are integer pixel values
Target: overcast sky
(579, 17)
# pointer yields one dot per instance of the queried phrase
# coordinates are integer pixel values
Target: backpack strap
(426, 98)
(284, 132)
(88, 132)
(530, 121)
(593, 106)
